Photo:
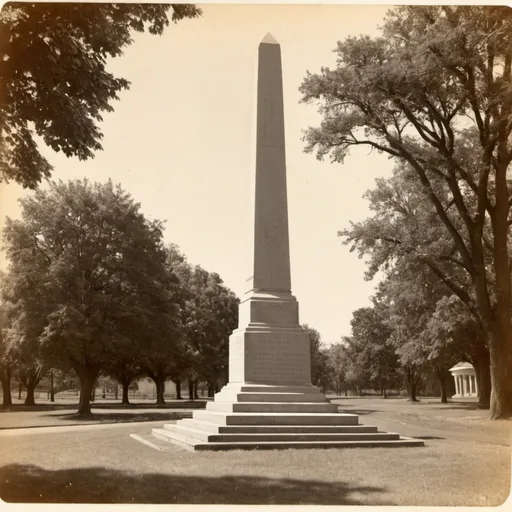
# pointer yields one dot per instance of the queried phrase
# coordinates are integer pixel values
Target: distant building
(464, 376)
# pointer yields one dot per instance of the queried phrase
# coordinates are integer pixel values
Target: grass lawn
(465, 462)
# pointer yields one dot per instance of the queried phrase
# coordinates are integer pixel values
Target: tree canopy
(209, 317)
(55, 81)
(87, 253)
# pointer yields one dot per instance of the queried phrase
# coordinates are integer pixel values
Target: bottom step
(199, 445)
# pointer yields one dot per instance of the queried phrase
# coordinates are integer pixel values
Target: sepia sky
(180, 142)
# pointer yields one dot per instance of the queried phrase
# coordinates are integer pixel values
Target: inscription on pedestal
(277, 358)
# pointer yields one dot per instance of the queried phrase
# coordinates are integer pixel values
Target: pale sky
(180, 142)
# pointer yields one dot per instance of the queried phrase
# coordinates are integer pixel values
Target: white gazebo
(465, 380)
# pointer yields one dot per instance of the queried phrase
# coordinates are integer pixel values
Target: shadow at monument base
(359, 412)
(32, 484)
(425, 438)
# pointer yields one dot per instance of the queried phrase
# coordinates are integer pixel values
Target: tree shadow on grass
(176, 404)
(35, 408)
(122, 417)
(32, 484)
(171, 404)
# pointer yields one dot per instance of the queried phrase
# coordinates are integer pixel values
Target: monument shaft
(271, 270)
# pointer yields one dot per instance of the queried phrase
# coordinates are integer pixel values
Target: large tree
(55, 82)
(98, 266)
(27, 313)
(209, 317)
(435, 92)
(162, 357)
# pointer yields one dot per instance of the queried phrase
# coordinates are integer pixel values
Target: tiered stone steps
(274, 417)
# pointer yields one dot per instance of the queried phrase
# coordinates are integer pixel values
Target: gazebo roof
(462, 366)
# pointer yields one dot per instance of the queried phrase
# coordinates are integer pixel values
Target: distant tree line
(92, 290)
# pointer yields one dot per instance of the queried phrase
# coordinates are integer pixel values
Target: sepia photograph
(255, 254)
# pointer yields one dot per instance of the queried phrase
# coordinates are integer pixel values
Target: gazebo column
(476, 386)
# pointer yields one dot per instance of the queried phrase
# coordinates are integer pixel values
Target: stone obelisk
(270, 347)
(269, 401)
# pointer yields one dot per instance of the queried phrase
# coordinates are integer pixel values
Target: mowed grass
(107, 466)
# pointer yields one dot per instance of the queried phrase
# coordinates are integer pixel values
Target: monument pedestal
(269, 402)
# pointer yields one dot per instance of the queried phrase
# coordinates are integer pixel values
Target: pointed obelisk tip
(269, 39)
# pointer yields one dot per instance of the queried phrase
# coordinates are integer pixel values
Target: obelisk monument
(270, 347)
(269, 401)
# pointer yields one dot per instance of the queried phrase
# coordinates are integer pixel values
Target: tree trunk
(444, 394)
(500, 346)
(196, 395)
(481, 361)
(116, 391)
(104, 392)
(20, 387)
(411, 388)
(385, 392)
(29, 399)
(210, 390)
(126, 386)
(87, 384)
(52, 391)
(442, 377)
(190, 389)
(501, 376)
(412, 392)
(5, 377)
(160, 388)
(177, 382)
